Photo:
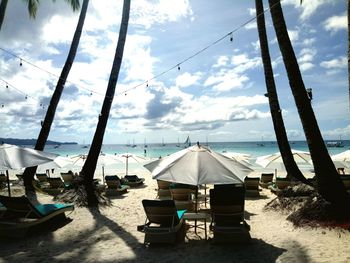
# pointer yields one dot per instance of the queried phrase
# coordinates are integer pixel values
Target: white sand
(111, 236)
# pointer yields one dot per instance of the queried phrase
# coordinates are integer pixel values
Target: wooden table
(200, 216)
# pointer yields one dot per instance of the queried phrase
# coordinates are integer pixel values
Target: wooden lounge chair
(164, 224)
(346, 181)
(133, 180)
(67, 178)
(182, 195)
(56, 186)
(20, 214)
(252, 186)
(42, 178)
(114, 186)
(163, 190)
(227, 209)
(3, 181)
(266, 179)
(279, 184)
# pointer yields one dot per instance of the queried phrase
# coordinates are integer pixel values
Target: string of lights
(146, 82)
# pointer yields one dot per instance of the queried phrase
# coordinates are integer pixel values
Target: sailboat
(187, 142)
(261, 143)
(163, 144)
(178, 143)
(145, 144)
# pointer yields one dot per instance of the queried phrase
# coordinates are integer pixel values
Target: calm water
(254, 149)
(157, 150)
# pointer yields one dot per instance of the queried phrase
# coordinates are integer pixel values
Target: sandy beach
(110, 235)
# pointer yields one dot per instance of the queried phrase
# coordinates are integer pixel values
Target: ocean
(153, 151)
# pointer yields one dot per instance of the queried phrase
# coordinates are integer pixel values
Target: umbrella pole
(126, 166)
(103, 175)
(8, 182)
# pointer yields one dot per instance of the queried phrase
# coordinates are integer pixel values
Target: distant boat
(133, 143)
(163, 144)
(335, 144)
(145, 144)
(56, 146)
(84, 146)
(178, 143)
(261, 143)
(187, 143)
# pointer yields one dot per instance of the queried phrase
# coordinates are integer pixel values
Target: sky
(181, 74)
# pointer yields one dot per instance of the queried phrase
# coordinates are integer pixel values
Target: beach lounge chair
(252, 186)
(164, 223)
(227, 210)
(42, 178)
(114, 186)
(266, 179)
(3, 181)
(182, 195)
(67, 178)
(279, 184)
(56, 186)
(346, 181)
(20, 215)
(133, 180)
(163, 190)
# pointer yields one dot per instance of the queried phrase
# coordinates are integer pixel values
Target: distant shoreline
(31, 142)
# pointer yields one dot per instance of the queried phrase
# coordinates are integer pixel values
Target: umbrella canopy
(198, 165)
(104, 159)
(342, 157)
(58, 162)
(129, 158)
(275, 160)
(14, 157)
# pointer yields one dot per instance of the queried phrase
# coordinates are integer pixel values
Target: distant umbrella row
(195, 165)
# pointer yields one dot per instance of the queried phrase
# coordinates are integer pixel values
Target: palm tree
(50, 114)
(349, 49)
(292, 169)
(3, 6)
(89, 167)
(329, 183)
(33, 7)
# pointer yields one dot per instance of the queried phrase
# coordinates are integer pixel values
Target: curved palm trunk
(50, 114)
(89, 167)
(3, 6)
(329, 183)
(292, 169)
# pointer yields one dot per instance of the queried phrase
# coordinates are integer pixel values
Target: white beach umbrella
(15, 157)
(103, 160)
(58, 162)
(342, 157)
(130, 158)
(198, 165)
(275, 160)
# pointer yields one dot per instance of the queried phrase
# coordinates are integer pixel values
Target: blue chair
(18, 214)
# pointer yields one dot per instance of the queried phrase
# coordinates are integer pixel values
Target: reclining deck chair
(227, 208)
(182, 196)
(133, 180)
(266, 179)
(56, 186)
(252, 186)
(20, 214)
(163, 190)
(114, 186)
(42, 178)
(164, 224)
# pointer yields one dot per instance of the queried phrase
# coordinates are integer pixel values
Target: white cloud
(307, 8)
(336, 63)
(186, 79)
(335, 23)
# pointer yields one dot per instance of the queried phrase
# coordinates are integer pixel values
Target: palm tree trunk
(3, 6)
(292, 169)
(89, 167)
(329, 183)
(50, 114)
(349, 49)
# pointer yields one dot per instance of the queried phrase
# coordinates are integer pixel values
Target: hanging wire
(177, 65)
